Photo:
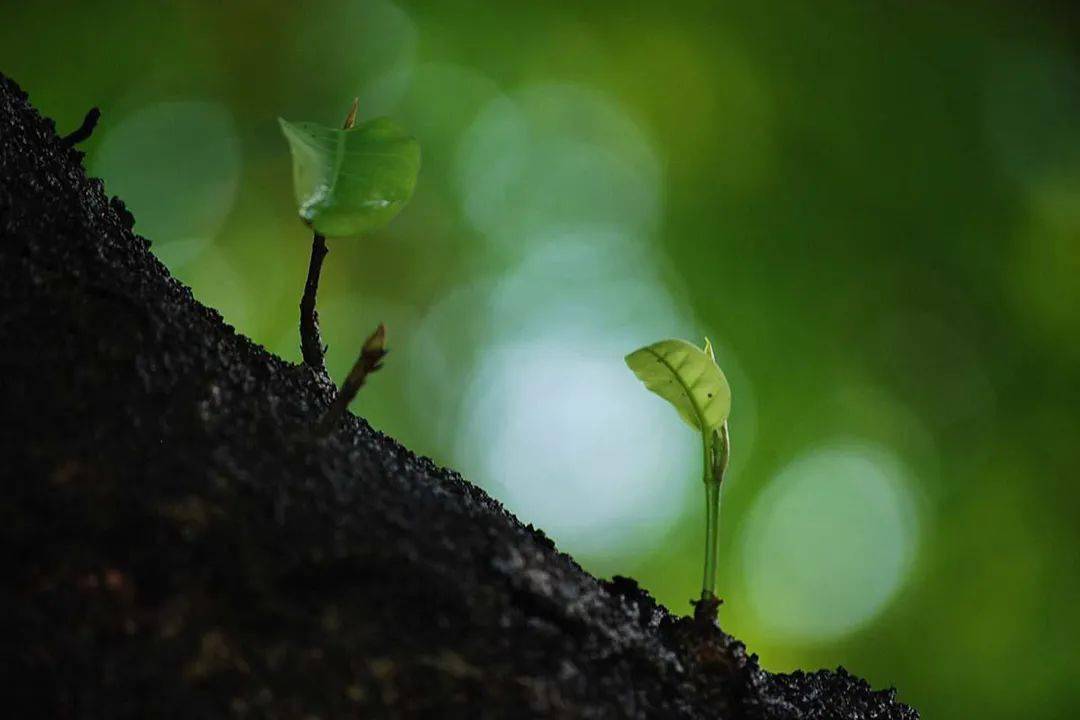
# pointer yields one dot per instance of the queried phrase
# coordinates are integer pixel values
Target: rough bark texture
(178, 545)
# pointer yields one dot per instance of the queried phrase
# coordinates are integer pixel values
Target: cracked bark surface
(179, 545)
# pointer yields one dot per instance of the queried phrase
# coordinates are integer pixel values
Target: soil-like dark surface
(177, 544)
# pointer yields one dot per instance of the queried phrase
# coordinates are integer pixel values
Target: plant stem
(712, 518)
(311, 344)
(712, 539)
(716, 450)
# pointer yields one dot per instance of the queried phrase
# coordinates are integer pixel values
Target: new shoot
(689, 378)
(348, 181)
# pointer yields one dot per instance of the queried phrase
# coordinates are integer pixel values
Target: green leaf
(688, 378)
(350, 182)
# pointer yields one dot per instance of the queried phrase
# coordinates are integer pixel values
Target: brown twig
(84, 131)
(370, 360)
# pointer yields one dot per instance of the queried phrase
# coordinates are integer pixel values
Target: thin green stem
(712, 539)
(712, 519)
(716, 448)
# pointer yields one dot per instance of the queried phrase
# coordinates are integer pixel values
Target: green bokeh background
(872, 208)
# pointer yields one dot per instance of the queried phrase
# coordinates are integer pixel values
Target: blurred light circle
(829, 542)
(594, 284)
(554, 155)
(577, 285)
(177, 167)
(566, 439)
(590, 284)
(492, 158)
(554, 424)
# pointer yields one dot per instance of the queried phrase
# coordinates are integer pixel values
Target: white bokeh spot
(829, 542)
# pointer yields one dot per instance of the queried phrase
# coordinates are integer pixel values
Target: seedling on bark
(689, 378)
(348, 182)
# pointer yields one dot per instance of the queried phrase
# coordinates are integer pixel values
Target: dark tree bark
(178, 544)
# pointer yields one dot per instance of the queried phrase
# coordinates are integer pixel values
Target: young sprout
(348, 182)
(689, 378)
